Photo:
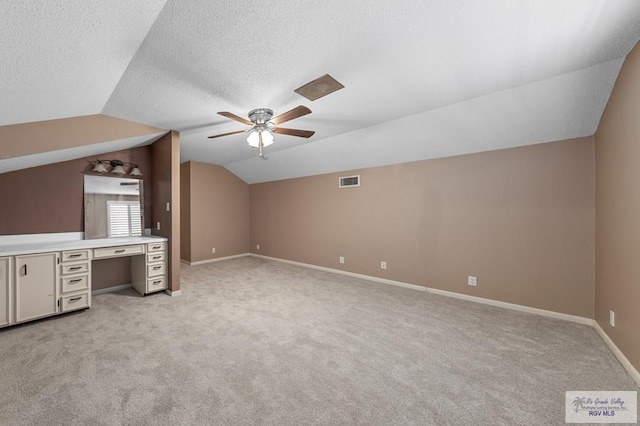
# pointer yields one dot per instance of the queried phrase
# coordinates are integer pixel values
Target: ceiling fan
(263, 126)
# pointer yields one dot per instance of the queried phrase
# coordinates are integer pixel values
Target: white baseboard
(349, 274)
(111, 289)
(513, 306)
(173, 293)
(217, 259)
(635, 375)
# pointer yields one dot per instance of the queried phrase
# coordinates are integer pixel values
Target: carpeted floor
(252, 341)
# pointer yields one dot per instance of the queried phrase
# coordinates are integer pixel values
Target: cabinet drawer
(155, 247)
(71, 256)
(154, 270)
(74, 283)
(70, 303)
(156, 284)
(74, 268)
(118, 251)
(157, 256)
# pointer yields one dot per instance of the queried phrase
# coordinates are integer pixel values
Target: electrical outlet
(472, 281)
(213, 250)
(383, 265)
(168, 206)
(158, 226)
(612, 318)
(257, 246)
(341, 259)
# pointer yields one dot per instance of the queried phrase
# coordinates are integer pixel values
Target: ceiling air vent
(319, 87)
(348, 181)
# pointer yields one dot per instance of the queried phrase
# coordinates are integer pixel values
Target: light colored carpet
(252, 341)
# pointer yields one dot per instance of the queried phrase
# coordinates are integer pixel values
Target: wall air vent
(349, 181)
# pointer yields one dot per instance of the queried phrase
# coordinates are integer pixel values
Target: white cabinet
(75, 280)
(149, 272)
(35, 284)
(6, 287)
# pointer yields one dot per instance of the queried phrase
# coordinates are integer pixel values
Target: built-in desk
(48, 274)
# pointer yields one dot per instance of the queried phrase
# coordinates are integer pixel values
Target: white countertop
(50, 242)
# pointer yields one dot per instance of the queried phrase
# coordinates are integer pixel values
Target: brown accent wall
(50, 198)
(106, 273)
(219, 212)
(521, 220)
(52, 135)
(617, 151)
(185, 211)
(165, 157)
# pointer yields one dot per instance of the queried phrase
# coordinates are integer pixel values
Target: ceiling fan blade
(235, 117)
(293, 132)
(226, 134)
(298, 111)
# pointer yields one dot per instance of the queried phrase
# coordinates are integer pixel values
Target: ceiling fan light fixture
(254, 136)
(265, 125)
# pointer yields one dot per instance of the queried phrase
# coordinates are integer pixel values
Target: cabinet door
(5, 295)
(35, 286)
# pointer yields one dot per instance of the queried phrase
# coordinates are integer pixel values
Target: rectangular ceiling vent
(319, 87)
(349, 181)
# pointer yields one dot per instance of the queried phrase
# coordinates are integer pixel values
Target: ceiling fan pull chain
(260, 147)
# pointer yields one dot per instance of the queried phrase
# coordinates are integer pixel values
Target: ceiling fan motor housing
(260, 115)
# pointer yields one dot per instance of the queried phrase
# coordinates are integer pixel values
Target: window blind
(124, 219)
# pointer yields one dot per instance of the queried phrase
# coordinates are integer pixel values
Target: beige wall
(165, 157)
(617, 144)
(219, 212)
(52, 135)
(521, 220)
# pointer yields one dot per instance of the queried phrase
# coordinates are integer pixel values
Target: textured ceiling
(423, 79)
(63, 58)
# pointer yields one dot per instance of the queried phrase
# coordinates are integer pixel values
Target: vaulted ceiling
(423, 79)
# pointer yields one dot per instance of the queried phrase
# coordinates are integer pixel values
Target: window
(124, 219)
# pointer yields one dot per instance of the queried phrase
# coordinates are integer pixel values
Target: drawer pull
(156, 257)
(75, 299)
(75, 255)
(156, 267)
(77, 280)
(25, 269)
(157, 282)
(75, 268)
(156, 247)
(119, 251)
